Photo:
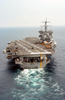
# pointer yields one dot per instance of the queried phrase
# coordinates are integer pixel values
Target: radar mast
(46, 25)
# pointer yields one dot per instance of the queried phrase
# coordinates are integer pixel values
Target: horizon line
(29, 26)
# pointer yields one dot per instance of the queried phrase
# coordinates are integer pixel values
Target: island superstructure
(32, 52)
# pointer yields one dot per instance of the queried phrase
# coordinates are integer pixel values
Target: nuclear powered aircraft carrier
(32, 52)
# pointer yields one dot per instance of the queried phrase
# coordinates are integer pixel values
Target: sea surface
(32, 84)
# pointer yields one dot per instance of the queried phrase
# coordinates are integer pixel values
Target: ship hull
(34, 65)
(32, 62)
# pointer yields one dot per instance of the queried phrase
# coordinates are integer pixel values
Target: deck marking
(33, 45)
(29, 45)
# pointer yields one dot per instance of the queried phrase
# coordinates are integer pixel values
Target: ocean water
(32, 84)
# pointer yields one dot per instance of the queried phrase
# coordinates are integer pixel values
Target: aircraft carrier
(32, 52)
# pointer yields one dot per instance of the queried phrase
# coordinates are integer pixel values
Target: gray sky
(21, 13)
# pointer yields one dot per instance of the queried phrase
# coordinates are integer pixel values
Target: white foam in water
(35, 82)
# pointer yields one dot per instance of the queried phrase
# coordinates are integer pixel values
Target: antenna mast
(46, 25)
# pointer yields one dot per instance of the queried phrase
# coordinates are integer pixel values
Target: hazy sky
(18, 13)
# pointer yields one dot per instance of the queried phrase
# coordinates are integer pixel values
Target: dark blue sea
(32, 84)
